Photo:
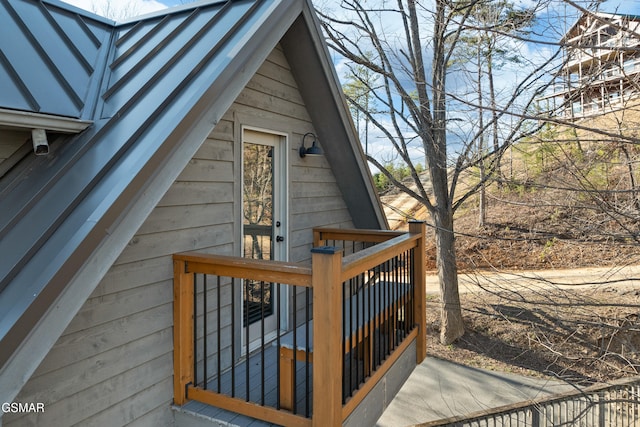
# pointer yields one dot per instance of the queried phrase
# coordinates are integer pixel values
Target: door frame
(281, 198)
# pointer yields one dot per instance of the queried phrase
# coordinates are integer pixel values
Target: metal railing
(611, 405)
(360, 311)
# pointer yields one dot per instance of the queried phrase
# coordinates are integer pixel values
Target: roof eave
(30, 120)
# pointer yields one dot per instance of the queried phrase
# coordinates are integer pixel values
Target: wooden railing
(359, 306)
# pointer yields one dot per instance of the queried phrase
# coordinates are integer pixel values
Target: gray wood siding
(113, 364)
(10, 141)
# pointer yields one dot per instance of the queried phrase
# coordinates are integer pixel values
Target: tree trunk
(494, 112)
(452, 325)
(632, 180)
(482, 202)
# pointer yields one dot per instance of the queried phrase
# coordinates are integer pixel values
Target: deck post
(327, 336)
(183, 291)
(317, 239)
(419, 280)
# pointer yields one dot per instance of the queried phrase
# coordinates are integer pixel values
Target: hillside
(582, 335)
(522, 233)
(565, 202)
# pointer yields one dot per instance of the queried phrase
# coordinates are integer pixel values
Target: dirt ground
(580, 336)
(583, 336)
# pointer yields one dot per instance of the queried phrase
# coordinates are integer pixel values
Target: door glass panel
(257, 211)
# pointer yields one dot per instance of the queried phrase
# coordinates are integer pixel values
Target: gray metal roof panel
(68, 175)
(52, 219)
(50, 54)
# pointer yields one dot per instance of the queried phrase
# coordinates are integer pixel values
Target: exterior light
(314, 150)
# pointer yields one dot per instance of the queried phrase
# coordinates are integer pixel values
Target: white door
(264, 228)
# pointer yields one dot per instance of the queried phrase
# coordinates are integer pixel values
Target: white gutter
(28, 120)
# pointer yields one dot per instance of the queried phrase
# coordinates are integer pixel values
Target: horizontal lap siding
(314, 197)
(113, 364)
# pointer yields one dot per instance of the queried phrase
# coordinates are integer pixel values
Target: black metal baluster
(412, 289)
(357, 337)
(204, 331)
(247, 336)
(378, 290)
(219, 309)
(307, 306)
(375, 319)
(278, 336)
(262, 327)
(294, 403)
(347, 339)
(405, 295)
(344, 336)
(386, 308)
(392, 305)
(395, 301)
(383, 296)
(233, 337)
(410, 298)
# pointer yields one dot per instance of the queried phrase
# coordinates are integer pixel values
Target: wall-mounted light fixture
(40, 143)
(314, 150)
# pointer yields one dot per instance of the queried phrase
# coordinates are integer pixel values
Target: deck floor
(252, 372)
(255, 389)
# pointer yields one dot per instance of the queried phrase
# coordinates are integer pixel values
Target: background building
(600, 71)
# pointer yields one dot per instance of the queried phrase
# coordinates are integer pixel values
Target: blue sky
(146, 6)
(553, 31)
(631, 7)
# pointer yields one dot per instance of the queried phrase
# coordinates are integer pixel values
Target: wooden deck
(255, 389)
(346, 370)
(202, 410)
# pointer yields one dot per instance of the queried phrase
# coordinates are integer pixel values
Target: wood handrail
(330, 270)
(295, 273)
(322, 234)
(245, 268)
(356, 263)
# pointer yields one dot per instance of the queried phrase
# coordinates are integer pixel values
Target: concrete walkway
(440, 389)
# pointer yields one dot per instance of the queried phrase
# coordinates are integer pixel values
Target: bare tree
(114, 10)
(418, 115)
(415, 109)
(360, 83)
(485, 48)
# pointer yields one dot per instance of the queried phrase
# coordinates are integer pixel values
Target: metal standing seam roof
(155, 73)
(51, 58)
(153, 88)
